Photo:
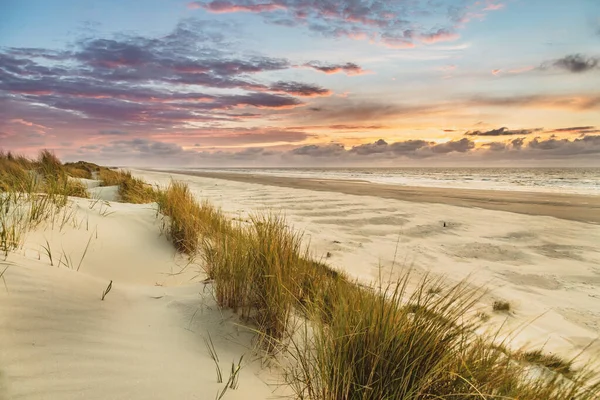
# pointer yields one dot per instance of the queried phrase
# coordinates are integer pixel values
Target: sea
(548, 180)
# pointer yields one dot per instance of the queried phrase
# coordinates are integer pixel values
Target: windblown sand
(547, 268)
(58, 340)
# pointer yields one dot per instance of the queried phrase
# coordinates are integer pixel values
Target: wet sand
(583, 208)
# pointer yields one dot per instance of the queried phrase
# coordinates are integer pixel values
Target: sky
(268, 83)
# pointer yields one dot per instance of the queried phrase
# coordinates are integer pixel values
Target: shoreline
(573, 207)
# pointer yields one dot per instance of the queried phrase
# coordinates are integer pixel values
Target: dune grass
(340, 340)
(131, 189)
(550, 361)
(355, 342)
(81, 169)
(46, 175)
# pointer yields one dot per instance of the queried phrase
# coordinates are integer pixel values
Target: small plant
(213, 355)
(106, 291)
(84, 253)
(550, 361)
(48, 251)
(232, 382)
(501, 306)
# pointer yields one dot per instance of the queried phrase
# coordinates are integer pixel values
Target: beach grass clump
(190, 221)
(15, 173)
(395, 343)
(256, 268)
(81, 169)
(131, 189)
(550, 361)
(373, 346)
(184, 217)
(45, 175)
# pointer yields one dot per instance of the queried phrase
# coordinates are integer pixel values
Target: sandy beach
(146, 339)
(538, 259)
(573, 207)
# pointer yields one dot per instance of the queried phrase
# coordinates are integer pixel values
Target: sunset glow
(302, 82)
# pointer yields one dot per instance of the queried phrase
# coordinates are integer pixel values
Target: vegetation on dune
(131, 189)
(340, 340)
(356, 342)
(82, 169)
(46, 175)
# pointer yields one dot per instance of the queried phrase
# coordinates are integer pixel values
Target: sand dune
(547, 268)
(58, 340)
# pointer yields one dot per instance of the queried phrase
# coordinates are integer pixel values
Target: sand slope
(58, 340)
(547, 268)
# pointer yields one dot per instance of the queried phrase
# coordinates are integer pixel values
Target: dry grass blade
(84, 253)
(213, 355)
(2, 277)
(106, 291)
(48, 251)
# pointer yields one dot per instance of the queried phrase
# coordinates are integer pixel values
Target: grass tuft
(501, 306)
(550, 361)
(131, 190)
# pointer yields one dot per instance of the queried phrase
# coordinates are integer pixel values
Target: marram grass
(395, 342)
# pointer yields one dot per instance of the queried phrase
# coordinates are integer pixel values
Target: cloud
(329, 150)
(150, 82)
(412, 148)
(494, 6)
(146, 152)
(348, 68)
(576, 63)
(223, 6)
(397, 24)
(583, 102)
(460, 146)
(113, 132)
(299, 89)
(582, 130)
(441, 35)
(502, 132)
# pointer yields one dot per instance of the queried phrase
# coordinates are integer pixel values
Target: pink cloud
(38, 128)
(496, 71)
(395, 43)
(494, 6)
(224, 6)
(349, 69)
(441, 35)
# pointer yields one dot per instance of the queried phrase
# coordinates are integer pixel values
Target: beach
(99, 303)
(576, 207)
(530, 249)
